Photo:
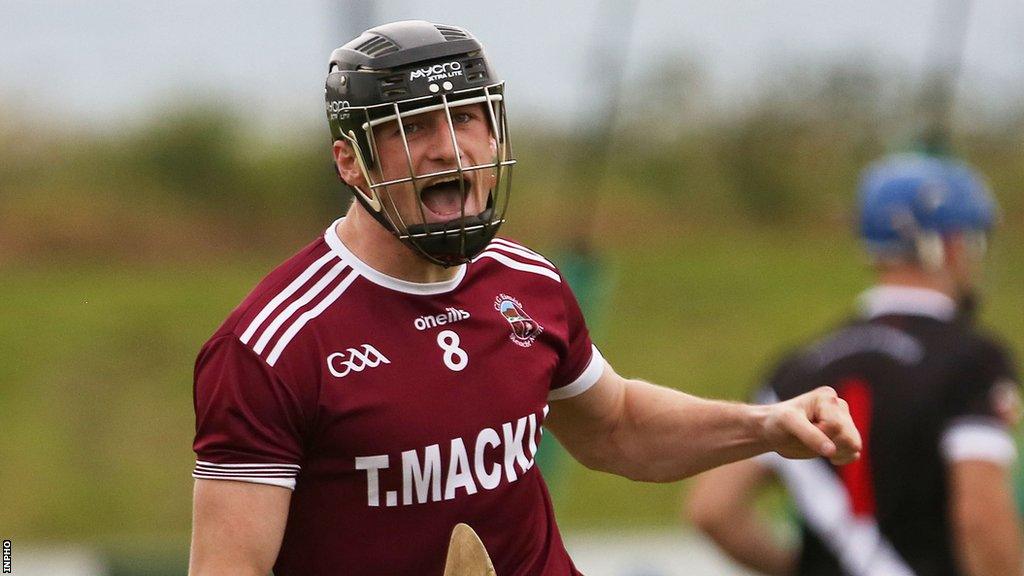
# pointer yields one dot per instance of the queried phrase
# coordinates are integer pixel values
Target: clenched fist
(814, 424)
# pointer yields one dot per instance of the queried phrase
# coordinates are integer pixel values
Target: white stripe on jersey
(514, 248)
(590, 375)
(245, 474)
(517, 265)
(288, 483)
(257, 473)
(205, 464)
(284, 295)
(978, 439)
(322, 283)
(309, 315)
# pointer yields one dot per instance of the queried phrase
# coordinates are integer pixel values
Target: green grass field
(97, 365)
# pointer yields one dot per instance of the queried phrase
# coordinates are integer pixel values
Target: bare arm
(985, 524)
(237, 527)
(647, 432)
(721, 504)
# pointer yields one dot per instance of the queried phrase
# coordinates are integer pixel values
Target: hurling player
(934, 397)
(394, 377)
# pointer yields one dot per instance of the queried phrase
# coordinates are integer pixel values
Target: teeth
(443, 180)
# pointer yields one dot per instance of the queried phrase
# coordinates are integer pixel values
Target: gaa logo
(355, 360)
(524, 329)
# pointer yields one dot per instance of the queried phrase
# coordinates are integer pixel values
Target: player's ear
(347, 164)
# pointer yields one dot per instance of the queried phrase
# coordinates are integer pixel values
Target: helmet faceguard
(393, 73)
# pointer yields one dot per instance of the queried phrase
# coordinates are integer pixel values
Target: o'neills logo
(450, 316)
(438, 71)
(524, 329)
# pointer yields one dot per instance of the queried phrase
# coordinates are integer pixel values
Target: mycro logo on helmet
(335, 106)
(438, 71)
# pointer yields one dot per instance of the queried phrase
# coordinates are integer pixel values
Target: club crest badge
(524, 329)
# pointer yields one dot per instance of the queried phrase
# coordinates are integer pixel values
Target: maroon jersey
(396, 410)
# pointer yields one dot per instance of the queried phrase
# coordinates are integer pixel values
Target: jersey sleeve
(249, 422)
(581, 364)
(983, 403)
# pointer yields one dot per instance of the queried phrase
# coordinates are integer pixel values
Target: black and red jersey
(396, 410)
(925, 389)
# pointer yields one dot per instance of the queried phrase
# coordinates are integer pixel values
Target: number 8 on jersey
(455, 358)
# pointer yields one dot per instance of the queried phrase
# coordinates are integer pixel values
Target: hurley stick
(467, 555)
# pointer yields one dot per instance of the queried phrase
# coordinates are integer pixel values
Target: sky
(108, 63)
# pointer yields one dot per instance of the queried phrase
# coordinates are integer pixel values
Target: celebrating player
(392, 379)
(934, 398)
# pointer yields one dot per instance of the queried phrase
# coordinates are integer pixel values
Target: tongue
(443, 200)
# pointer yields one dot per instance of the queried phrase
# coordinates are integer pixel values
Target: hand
(814, 424)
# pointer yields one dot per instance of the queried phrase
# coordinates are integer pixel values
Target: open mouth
(446, 196)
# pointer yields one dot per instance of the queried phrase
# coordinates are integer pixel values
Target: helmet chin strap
(378, 213)
(931, 252)
(928, 248)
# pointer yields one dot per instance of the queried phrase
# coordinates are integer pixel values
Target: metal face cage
(457, 240)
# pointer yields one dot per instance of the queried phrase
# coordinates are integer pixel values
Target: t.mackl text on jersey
(481, 462)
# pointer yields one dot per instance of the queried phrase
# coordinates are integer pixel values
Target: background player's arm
(980, 454)
(237, 527)
(647, 432)
(985, 525)
(721, 504)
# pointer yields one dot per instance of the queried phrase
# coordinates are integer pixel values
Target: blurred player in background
(391, 379)
(935, 400)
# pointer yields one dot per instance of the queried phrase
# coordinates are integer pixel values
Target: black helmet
(406, 68)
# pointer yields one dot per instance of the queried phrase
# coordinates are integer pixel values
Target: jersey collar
(382, 279)
(903, 300)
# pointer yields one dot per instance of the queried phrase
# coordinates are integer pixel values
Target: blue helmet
(907, 200)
